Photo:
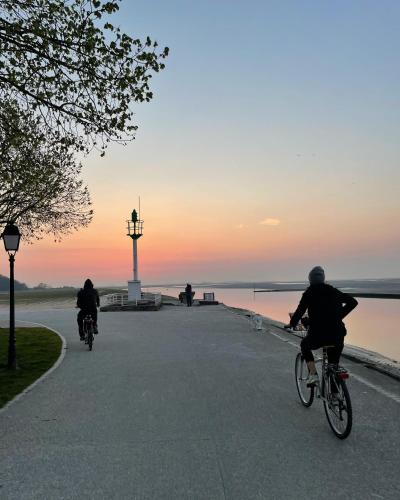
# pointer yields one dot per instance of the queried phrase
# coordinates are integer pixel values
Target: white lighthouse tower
(135, 231)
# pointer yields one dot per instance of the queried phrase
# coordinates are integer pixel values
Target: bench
(208, 299)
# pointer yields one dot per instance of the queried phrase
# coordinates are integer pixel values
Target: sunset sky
(272, 145)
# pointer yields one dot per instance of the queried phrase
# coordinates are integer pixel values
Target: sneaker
(81, 337)
(312, 379)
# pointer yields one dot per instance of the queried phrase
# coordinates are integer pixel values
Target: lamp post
(11, 237)
(135, 231)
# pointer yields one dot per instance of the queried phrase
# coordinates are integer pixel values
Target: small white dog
(257, 322)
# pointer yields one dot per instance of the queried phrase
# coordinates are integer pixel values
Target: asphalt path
(191, 403)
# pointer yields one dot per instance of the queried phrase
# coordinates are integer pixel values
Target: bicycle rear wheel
(90, 338)
(337, 405)
(306, 394)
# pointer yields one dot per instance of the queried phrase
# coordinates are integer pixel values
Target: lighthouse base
(134, 290)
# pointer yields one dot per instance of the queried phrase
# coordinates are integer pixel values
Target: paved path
(190, 404)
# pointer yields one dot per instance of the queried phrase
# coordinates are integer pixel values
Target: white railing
(121, 299)
(116, 298)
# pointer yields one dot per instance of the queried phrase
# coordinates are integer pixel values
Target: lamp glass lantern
(135, 226)
(11, 238)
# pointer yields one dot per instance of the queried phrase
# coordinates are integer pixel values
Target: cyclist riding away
(88, 301)
(327, 306)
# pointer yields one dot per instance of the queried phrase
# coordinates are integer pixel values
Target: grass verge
(37, 350)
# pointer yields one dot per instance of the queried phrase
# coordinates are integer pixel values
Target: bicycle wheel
(337, 405)
(85, 332)
(306, 394)
(90, 338)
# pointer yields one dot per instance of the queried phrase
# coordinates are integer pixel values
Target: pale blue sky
(253, 82)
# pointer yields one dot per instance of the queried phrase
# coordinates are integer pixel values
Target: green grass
(37, 350)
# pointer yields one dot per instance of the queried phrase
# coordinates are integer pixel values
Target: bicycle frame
(325, 372)
(324, 365)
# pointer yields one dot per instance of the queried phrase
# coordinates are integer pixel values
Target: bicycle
(332, 390)
(88, 330)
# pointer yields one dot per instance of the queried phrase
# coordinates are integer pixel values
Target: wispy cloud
(270, 222)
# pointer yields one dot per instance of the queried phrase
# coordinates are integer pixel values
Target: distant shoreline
(365, 295)
(367, 289)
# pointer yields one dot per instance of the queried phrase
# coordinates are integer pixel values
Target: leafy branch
(64, 61)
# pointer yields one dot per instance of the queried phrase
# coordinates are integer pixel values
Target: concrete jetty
(191, 403)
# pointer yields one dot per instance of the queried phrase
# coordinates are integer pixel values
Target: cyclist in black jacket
(88, 301)
(327, 306)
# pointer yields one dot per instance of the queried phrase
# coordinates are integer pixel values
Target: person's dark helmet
(316, 276)
(88, 284)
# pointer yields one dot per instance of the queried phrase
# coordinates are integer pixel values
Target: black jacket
(88, 299)
(326, 306)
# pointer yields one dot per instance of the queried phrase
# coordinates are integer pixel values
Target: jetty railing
(121, 299)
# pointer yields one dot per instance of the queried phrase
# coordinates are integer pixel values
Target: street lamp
(11, 237)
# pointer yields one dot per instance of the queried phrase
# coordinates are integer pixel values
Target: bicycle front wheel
(337, 404)
(306, 394)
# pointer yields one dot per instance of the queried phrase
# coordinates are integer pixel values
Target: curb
(45, 374)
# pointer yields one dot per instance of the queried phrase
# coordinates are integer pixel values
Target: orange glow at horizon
(198, 246)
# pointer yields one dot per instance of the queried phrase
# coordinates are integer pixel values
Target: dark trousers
(311, 342)
(82, 314)
(189, 299)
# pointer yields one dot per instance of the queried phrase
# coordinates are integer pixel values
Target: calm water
(372, 325)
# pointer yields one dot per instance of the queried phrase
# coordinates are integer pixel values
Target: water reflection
(372, 325)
